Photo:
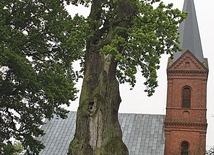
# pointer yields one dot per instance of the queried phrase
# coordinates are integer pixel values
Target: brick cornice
(185, 125)
(203, 72)
(178, 108)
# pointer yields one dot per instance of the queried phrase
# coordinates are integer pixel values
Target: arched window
(186, 97)
(184, 148)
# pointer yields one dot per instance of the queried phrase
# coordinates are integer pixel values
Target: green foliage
(36, 77)
(39, 41)
(13, 149)
(136, 33)
(153, 32)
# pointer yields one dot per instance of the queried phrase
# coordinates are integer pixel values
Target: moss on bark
(97, 130)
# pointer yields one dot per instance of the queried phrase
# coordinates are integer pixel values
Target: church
(182, 130)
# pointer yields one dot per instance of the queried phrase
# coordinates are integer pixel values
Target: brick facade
(186, 124)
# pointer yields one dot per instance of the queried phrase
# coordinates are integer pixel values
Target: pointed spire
(189, 33)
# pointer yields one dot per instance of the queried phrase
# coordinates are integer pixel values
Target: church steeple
(189, 33)
(185, 123)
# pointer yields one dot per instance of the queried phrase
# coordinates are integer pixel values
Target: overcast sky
(136, 101)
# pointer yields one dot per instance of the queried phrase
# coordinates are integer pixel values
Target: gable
(143, 134)
(187, 61)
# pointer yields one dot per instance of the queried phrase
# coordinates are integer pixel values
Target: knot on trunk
(92, 106)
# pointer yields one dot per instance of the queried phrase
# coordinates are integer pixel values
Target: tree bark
(97, 128)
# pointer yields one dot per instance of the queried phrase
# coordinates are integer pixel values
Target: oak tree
(36, 77)
(39, 41)
(123, 37)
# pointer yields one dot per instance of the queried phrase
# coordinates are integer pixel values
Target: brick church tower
(185, 123)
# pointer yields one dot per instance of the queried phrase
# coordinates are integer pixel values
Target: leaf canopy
(136, 33)
(36, 75)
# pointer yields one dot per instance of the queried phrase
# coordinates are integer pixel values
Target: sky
(137, 101)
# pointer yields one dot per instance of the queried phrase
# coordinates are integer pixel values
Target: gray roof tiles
(189, 33)
(142, 133)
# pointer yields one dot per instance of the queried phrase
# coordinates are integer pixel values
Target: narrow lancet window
(186, 97)
(184, 148)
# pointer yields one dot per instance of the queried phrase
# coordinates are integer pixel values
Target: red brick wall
(186, 124)
(175, 137)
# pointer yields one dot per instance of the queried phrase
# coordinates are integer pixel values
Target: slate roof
(189, 33)
(142, 133)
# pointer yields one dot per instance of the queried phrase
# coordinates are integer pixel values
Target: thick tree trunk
(97, 128)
